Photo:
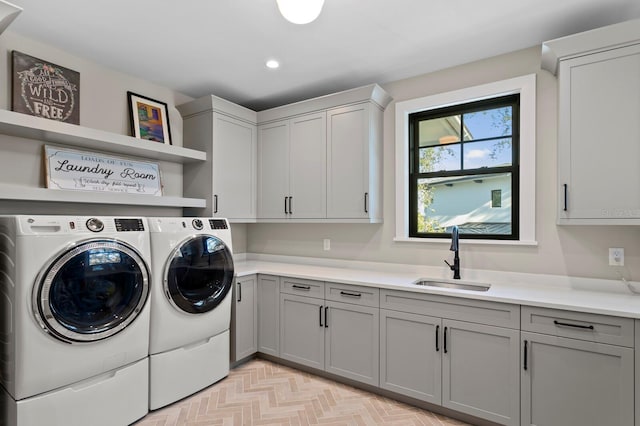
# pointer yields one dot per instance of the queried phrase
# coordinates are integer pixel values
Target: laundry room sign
(85, 171)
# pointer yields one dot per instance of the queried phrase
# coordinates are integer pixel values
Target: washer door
(198, 274)
(91, 291)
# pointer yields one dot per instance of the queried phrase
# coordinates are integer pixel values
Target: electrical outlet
(326, 244)
(616, 257)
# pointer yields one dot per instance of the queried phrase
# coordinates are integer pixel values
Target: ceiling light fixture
(300, 11)
(272, 64)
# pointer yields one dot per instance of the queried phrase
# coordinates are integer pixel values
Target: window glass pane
(465, 201)
(439, 158)
(489, 123)
(493, 153)
(439, 131)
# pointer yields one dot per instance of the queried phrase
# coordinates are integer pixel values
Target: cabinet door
(268, 314)
(352, 341)
(637, 372)
(348, 162)
(245, 318)
(302, 330)
(599, 135)
(480, 371)
(234, 164)
(273, 170)
(410, 361)
(573, 382)
(308, 166)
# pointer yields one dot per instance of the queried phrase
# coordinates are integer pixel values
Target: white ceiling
(200, 47)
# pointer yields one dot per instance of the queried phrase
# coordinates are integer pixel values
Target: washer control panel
(197, 224)
(128, 225)
(218, 224)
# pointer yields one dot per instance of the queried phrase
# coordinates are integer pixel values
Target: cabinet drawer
(355, 294)
(578, 325)
(478, 311)
(302, 287)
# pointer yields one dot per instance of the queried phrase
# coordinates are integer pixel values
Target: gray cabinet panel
(245, 318)
(578, 325)
(301, 287)
(410, 361)
(478, 311)
(356, 294)
(302, 330)
(268, 293)
(480, 371)
(637, 371)
(352, 341)
(572, 382)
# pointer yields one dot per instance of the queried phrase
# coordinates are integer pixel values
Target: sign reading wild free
(45, 90)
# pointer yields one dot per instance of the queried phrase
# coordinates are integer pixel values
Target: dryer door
(91, 291)
(198, 274)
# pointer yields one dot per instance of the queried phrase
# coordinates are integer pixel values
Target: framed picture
(149, 119)
(44, 89)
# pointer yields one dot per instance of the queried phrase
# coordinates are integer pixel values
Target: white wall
(103, 105)
(578, 251)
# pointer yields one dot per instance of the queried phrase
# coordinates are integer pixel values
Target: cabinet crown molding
(212, 103)
(370, 93)
(609, 37)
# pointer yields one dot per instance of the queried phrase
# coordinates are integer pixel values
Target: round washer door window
(199, 274)
(91, 291)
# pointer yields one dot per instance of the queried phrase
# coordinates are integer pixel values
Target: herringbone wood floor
(264, 393)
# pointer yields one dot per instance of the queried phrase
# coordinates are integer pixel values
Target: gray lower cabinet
(471, 368)
(337, 337)
(302, 330)
(244, 318)
(410, 361)
(352, 341)
(637, 372)
(577, 369)
(268, 295)
(480, 370)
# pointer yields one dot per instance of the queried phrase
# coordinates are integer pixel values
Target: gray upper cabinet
(292, 168)
(598, 137)
(227, 180)
(354, 152)
(268, 295)
(244, 319)
(578, 380)
(321, 159)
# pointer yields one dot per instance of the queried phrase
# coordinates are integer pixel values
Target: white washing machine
(192, 269)
(74, 320)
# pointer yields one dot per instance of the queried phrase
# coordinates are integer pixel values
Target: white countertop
(607, 297)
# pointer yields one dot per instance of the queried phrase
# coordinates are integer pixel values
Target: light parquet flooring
(261, 392)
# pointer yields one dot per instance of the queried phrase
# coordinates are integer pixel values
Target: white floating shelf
(23, 193)
(41, 129)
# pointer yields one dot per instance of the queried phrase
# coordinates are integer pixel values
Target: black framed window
(458, 155)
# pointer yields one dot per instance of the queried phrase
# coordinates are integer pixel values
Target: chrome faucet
(455, 244)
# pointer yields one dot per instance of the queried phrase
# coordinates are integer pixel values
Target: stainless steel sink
(455, 285)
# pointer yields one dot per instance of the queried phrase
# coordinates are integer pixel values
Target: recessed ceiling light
(273, 64)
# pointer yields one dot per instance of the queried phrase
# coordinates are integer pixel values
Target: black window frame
(512, 100)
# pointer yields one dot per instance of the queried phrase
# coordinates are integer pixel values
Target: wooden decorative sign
(85, 171)
(44, 89)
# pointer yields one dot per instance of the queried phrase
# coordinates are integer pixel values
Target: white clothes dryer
(192, 269)
(74, 327)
